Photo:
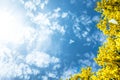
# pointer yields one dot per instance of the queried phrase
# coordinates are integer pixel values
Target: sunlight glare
(10, 27)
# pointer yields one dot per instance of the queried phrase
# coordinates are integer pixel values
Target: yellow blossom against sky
(108, 57)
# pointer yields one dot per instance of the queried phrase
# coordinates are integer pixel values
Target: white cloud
(55, 15)
(45, 20)
(29, 5)
(36, 2)
(84, 34)
(85, 19)
(40, 59)
(54, 60)
(58, 27)
(13, 64)
(57, 10)
(64, 15)
(48, 20)
(85, 62)
(42, 5)
(88, 3)
(42, 20)
(88, 61)
(98, 36)
(67, 73)
(17, 33)
(71, 41)
(88, 39)
(44, 78)
(32, 4)
(52, 75)
(22, 1)
(81, 22)
(10, 66)
(56, 66)
(76, 30)
(96, 18)
(89, 55)
(94, 38)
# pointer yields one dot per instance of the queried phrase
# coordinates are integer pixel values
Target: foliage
(109, 53)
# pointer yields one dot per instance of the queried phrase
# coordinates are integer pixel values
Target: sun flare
(11, 27)
(8, 27)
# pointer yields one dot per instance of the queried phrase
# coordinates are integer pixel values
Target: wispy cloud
(31, 5)
(82, 29)
(41, 19)
(71, 41)
(44, 77)
(13, 64)
(18, 34)
(95, 18)
(64, 14)
(52, 75)
(88, 3)
(67, 73)
(88, 61)
(40, 59)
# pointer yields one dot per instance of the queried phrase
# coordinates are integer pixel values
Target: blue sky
(47, 39)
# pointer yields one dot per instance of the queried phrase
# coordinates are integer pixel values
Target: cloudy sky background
(47, 39)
